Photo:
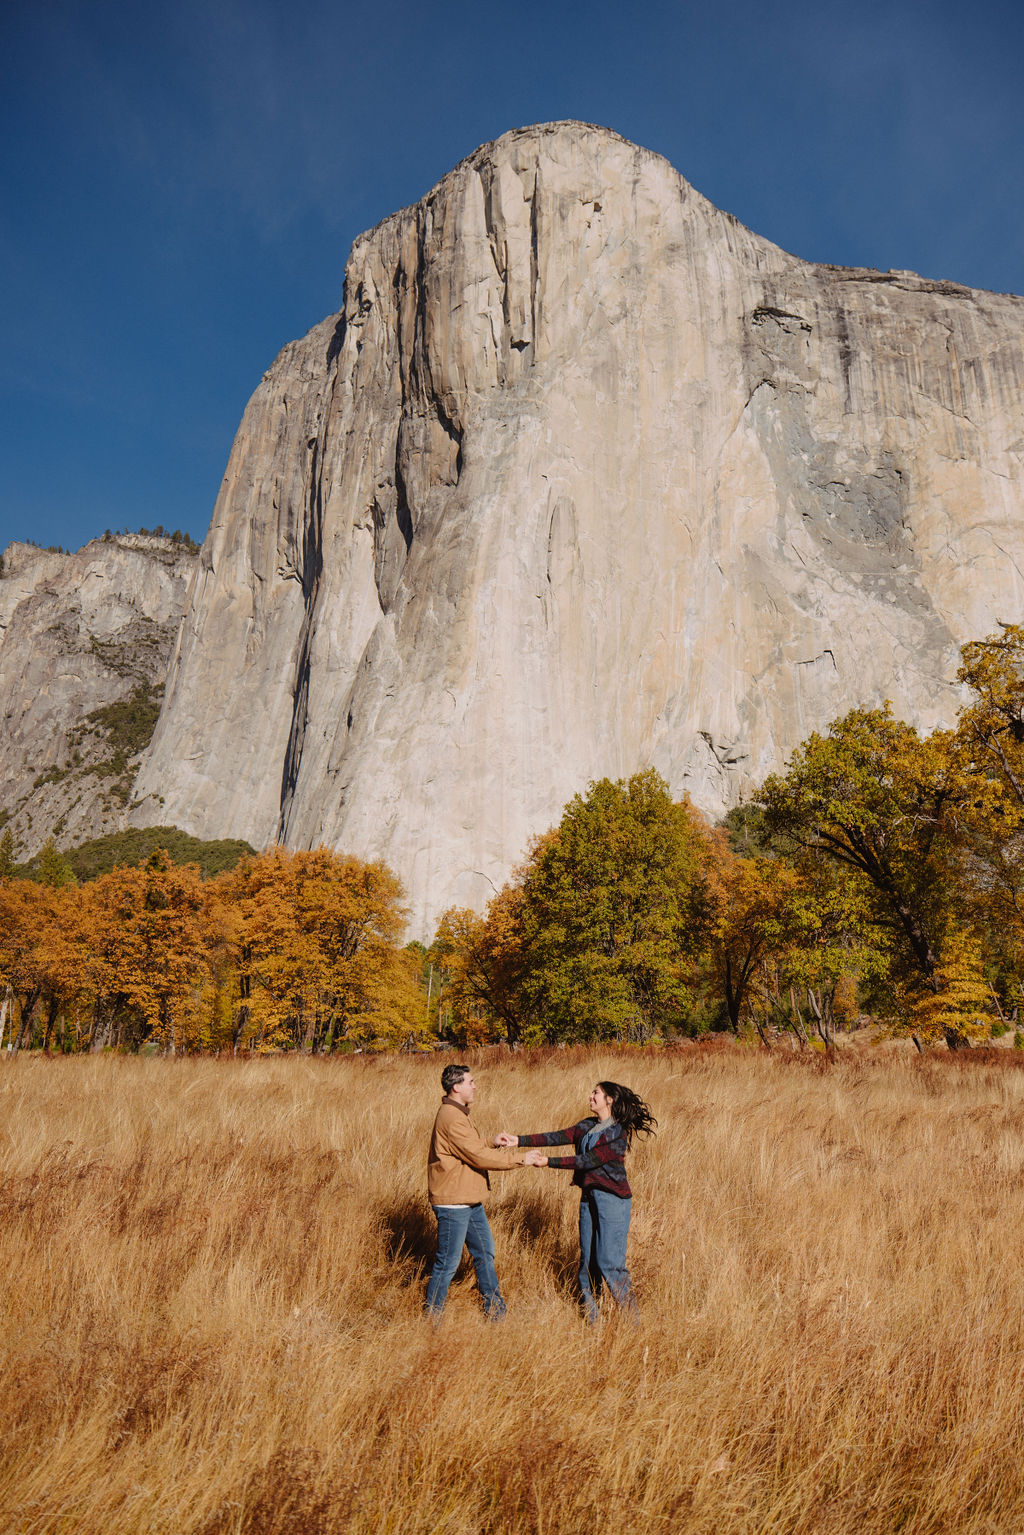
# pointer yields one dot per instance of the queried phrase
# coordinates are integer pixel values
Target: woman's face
(600, 1103)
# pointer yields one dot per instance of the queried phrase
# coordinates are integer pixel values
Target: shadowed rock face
(84, 644)
(585, 477)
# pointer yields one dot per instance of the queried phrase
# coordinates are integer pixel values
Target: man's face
(464, 1090)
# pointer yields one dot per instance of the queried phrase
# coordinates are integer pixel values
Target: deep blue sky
(181, 182)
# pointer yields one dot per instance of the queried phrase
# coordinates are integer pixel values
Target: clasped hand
(532, 1158)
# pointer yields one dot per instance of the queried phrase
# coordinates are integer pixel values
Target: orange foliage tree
(482, 963)
(309, 945)
(144, 956)
(27, 915)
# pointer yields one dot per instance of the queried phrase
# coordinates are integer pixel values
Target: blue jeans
(604, 1227)
(464, 1226)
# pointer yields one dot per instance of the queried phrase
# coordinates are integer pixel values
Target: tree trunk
(798, 1019)
(51, 1019)
(28, 1007)
(824, 1016)
(733, 1001)
(242, 1014)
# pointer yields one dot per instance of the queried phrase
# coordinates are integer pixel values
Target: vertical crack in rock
(845, 353)
(534, 258)
(429, 437)
(310, 575)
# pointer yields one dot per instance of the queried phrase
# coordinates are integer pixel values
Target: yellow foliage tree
(959, 1009)
(752, 900)
(141, 938)
(313, 940)
(27, 912)
(478, 964)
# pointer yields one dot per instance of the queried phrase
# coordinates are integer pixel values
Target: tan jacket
(458, 1159)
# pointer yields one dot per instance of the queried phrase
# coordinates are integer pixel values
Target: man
(457, 1183)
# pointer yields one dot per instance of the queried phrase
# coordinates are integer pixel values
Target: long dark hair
(629, 1111)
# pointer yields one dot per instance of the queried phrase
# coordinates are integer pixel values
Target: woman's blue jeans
(604, 1228)
(464, 1226)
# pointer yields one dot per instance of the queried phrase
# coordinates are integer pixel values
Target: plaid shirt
(602, 1167)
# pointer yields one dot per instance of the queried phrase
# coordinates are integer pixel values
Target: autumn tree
(484, 961)
(613, 908)
(989, 741)
(874, 797)
(959, 1006)
(991, 725)
(752, 923)
(27, 911)
(313, 939)
(144, 954)
(351, 916)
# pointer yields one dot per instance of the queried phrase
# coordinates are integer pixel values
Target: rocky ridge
(84, 644)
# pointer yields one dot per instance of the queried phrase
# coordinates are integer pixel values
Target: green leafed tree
(877, 800)
(612, 911)
(50, 867)
(8, 853)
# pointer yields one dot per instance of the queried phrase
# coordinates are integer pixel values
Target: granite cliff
(585, 476)
(84, 644)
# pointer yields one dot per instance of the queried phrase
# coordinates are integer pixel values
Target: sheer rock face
(79, 632)
(585, 477)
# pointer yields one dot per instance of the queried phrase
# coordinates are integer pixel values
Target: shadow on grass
(409, 1236)
(530, 1219)
(525, 1218)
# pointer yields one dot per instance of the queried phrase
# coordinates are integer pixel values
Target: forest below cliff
(880, 875)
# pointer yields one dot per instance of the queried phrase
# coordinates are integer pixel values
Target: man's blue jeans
(458, 1227)
(604, 1228)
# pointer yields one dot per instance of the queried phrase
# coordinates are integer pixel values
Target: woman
(599, 1171)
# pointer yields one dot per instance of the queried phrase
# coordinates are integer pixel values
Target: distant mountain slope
(84, 644)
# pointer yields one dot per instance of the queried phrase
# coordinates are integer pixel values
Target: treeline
(185, 540)
(882, 874)
(286, 950)
(132, 845)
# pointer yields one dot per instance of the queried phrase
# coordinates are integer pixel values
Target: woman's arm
(546, 1137)
(600, 1154)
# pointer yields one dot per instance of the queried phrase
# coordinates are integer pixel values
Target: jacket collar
(463, 1106)
(606, 1127)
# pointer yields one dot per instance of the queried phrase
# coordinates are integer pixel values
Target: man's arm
(469, 1147)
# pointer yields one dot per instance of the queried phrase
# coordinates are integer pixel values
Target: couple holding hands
(457, 1182)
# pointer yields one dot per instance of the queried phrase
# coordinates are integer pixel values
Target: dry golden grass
(211, 1279)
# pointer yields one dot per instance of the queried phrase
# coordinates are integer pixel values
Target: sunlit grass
(211, 1276)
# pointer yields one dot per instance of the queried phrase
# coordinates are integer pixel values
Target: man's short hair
(451, 1076)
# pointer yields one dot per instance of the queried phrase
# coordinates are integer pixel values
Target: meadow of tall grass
(211, 1275)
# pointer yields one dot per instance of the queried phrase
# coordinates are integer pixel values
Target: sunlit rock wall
(585, 477)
